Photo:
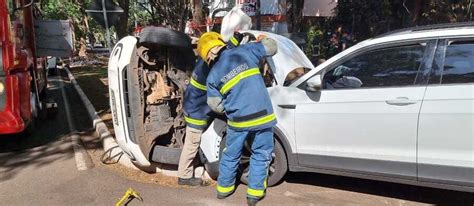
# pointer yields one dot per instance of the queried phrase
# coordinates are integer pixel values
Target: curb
(108, 142)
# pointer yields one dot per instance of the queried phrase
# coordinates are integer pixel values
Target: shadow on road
(50, 140)
(386, 189)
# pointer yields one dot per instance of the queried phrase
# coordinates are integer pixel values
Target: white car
(396, 108)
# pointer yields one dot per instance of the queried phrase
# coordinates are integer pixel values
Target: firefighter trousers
(261, 156)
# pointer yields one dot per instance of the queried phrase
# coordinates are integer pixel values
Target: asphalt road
(40, 169)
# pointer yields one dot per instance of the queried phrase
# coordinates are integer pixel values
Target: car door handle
(400, 101)
(287, 106)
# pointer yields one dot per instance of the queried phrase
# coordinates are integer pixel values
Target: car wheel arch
(283, 140)
(290, 157)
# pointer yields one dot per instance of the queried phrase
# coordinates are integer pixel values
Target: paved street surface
(40, 169)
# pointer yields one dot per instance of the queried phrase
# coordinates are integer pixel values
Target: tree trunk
(197, 12)
(122, 24)
(183, 15)
(84, 26)
(416, 12)
(295, 15)
(82, 48)
(290, 14)
(299, 15)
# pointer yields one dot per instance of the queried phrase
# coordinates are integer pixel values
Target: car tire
(35, 112)
(165, 37)
(211, 169)
(277, 170)
(279, 165)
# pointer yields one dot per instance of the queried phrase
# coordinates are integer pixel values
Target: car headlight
(2, 87)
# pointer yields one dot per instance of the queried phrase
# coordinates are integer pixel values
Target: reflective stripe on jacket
(197, 112)
(236, 78)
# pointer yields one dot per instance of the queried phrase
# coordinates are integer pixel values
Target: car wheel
(212, 169)
(165, 37)
(35, 110)
(278, 165)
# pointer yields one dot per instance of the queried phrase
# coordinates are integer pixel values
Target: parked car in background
(397, 108)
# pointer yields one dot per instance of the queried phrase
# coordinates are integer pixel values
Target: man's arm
(264, 48)
(270, 45)
(214, 97)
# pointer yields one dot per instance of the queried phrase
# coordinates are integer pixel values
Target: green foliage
(368, 18)
(445, 11)
(364, 19)
(61, 9)
(314, 37)
(73, 10)
(139, 13)
(173, 13)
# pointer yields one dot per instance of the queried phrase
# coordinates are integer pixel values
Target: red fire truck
(23, 78)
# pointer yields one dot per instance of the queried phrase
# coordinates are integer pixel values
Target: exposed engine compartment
(162, 73)
(156, 80)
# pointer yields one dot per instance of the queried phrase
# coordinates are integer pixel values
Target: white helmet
(235, 20)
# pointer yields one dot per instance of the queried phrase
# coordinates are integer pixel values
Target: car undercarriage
(157, 78)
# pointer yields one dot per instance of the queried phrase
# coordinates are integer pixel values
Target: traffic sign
(96, 11)
(106, 13)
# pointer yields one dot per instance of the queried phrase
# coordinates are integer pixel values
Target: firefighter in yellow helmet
(198, 115)
(236, 88)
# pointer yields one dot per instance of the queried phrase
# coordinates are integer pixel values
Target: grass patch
(93, 81)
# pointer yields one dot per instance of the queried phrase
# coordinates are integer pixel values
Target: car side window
(388, 67)
(458, 64)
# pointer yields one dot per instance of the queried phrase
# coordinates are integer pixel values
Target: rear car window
(459, 63)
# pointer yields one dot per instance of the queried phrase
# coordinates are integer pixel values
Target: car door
(446, 127)
(365, 117)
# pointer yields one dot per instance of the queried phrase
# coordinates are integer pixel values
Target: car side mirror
(314, 84)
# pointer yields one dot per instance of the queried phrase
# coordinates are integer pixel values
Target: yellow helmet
(208, 41)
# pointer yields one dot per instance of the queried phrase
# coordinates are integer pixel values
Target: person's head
(209, 46)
